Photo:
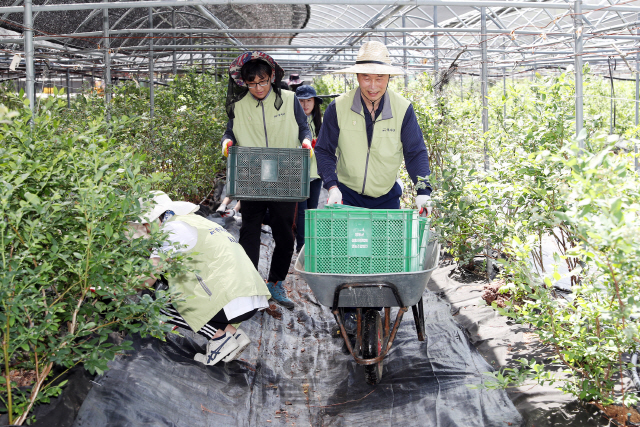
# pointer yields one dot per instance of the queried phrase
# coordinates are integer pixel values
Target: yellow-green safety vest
(222, 273)
(259, 124)
(371, 171)
(313, 166)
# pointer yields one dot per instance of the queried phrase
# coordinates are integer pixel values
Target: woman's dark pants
(281, 221)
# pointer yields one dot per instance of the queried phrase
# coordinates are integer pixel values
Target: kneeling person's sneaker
(279, 295)
(243, 342)
(217, 349)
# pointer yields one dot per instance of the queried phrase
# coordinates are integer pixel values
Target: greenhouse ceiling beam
(437, 30)
(380, 18)
(187, 31)
(167, 50)
(276, 48)
(15, 4)
(454, 3)
(217, 22)
(330, 19)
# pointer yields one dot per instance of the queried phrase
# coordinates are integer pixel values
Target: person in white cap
(222, 287)
(365, 136)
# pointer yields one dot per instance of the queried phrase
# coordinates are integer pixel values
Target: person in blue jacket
(365, 136)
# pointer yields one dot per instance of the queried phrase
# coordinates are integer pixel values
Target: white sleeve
(181, 234)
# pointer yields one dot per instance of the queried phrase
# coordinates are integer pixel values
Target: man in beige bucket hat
(365, 135)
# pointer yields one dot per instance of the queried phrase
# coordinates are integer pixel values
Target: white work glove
(335, 196)
(225, 147)
(229, 213)
(423, 202)
(221, 209)
(401, 184)
(307, 144)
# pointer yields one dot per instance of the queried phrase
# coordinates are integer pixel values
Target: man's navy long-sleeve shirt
(416, 158)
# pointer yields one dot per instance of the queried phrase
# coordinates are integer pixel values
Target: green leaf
(108, 230)
(32, 198)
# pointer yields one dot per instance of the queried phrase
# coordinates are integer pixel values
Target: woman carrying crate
(263, 115)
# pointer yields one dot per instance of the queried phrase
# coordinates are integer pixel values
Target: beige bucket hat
(373, 58)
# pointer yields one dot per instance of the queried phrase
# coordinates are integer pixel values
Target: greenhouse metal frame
(488, 39)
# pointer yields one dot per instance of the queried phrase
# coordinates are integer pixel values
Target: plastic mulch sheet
(295, 373)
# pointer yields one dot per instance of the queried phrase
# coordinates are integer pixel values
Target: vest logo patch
(279, 115)
(388, 130)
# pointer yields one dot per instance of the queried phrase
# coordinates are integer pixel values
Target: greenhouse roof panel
(317, 36)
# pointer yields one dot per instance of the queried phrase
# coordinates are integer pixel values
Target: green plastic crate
(257, 173)
(344, 240)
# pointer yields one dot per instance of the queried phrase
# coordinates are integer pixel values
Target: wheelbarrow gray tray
(410, 285)
(295, 372)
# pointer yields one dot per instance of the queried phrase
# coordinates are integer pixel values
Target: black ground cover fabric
(502, 342)
(295, 373)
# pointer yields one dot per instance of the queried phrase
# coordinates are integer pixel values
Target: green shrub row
(183, 137)
(540, 185)
(68, 274)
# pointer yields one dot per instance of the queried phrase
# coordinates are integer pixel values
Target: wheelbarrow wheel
(372, 345)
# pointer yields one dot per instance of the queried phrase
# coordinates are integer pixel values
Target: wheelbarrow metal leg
(418, 317)
(387, 320)
(358, 348)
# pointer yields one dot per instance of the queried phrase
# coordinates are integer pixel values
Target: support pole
(637, 102)
(578, 66)
(461, 89)
(190, 44)
(485, 117)
(612, 102)
(404, 55)
(151, 106)
(435, 42)
(484, 83)
(28, 55)
(504, 92)
(173, 25)
(68, 89)
(202, 56)
(107, 62)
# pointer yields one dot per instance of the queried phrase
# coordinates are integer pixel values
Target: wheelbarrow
(367, 293)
